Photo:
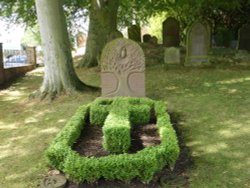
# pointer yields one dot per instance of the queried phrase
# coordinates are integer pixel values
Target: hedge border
(125, 167)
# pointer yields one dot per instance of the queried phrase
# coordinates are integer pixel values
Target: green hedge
(143, 164)
(116, 129)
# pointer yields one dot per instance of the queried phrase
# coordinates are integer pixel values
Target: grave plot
(126, 145)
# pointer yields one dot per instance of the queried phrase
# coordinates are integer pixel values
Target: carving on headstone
(244, 38)
(171, 32)
(123, 66)
(198, 43)
(134, 33)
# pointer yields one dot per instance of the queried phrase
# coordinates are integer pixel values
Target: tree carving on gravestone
(123, 66)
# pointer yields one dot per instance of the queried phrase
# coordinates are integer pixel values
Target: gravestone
(31, 55)
(198, 43)
(81, 39)
(146, 38)
(244, 38)
(172, 56)
(154, 40)
(134, 33)
(122, 69)
(114, 35)
(171, 32)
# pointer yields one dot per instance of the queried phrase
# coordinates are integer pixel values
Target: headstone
(223, 37)
(134, 33)
(198, 44)
(123, 66)
(114, 35)
(244, 38)
(171, 32)
(172, 56)
(154, 40)
(81, 39)
(146, 38)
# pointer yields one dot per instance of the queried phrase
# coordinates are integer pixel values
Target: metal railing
(14, 58)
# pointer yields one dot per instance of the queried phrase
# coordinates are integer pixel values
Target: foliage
(32, 36)
(125, 167)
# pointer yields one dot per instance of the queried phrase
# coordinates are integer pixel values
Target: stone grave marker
(244, 38)
(81, 39)
(172, 56)
(146, 38)
(122, 69)
(134, 33)
(198, 43)
(171, 32)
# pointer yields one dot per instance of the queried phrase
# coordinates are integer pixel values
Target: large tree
(102, 23)
(59, 72)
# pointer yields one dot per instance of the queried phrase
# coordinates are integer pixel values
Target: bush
(125, 167)
(116, 129)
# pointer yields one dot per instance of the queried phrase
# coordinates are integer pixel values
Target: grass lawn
(213, 105)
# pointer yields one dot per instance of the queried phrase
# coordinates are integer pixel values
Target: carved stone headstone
(123, 66)
(172, 56)
(244, 38)
(171, 32)
(198, 44)
(81, 39)
(134, 33)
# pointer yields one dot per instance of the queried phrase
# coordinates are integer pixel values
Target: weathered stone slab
(198, 44)
(171, 32)
(134, 33)
(244, 38)
(81, 39)
(123, 66)
(172, 56)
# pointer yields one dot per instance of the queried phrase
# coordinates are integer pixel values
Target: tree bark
(102, 22)
(59, 75)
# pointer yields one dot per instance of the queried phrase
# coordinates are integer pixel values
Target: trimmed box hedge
(143, 164)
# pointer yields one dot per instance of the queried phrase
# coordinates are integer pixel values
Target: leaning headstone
(146, 38)
(172, 56)
(198, 43)
(122, 69)
(244, 38)
(134, 33)
(171, 32)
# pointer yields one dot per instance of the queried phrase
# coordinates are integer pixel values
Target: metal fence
(14, 58)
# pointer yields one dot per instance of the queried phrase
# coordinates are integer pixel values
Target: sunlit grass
(214, 107)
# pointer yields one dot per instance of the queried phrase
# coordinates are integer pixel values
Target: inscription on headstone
(198, 44)
(171, 32)
(123, 66)
(244, 38)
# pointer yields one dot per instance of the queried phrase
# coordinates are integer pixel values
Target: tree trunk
(102, 22)
(59, 75)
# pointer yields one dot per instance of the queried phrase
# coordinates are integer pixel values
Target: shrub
(116, 129)
(125, 167)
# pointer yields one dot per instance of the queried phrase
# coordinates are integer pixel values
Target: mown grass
(213, 104)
